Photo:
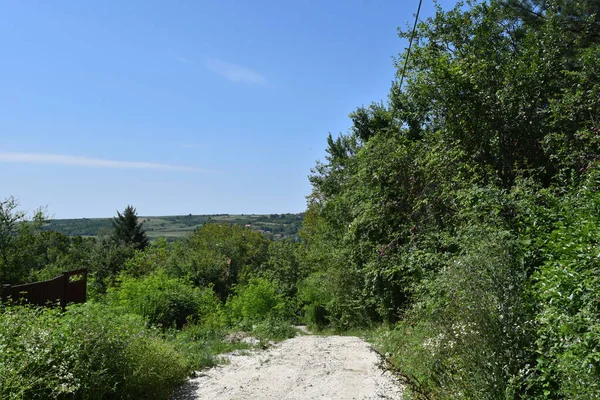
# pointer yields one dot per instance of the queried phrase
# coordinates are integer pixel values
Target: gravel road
(305, 367)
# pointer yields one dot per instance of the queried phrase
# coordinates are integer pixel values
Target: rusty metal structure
(69, 287)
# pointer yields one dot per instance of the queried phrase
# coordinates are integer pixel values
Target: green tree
(127, 229)
(18, 237)
(106, 259)
(9, 220)
(282, 266)
(145, 262)
(221, 255)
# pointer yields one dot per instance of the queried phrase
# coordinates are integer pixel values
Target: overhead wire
(410, 42)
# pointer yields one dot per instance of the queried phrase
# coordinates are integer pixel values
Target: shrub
(467, 335)
(26, 347)
(282, 266)
(219, 255)
(567, 290)
(316, 294)
(201, 343)
(256, 301)
(163, 300)
(152, 258)
(159, 367)
(91, 351)
(273, 329)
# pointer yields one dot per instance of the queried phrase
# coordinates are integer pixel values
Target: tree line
(463, 210)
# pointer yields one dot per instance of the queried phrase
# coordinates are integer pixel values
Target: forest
(455, 224)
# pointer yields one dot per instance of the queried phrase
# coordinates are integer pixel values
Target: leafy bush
(282, 266)
(567, 290)
(219, 255)
(273, 329)
(334, 298)
(159, 367)
(163, 300)
(256, 301)
(91, 351)
(315, 293)
(152, 258)
(467, 335)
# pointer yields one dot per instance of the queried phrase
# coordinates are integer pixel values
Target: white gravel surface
(305, 367)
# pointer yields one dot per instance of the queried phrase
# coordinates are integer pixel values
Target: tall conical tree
(127, 229)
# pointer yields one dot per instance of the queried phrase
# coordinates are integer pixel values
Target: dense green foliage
(566, 289)
(255, 302)
(464, 210)
(128, 230)
(91, 351)
(162, 300)
(21, 243)
(221, 255)
(156, 313)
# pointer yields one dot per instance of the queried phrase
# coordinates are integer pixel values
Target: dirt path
(306, 367)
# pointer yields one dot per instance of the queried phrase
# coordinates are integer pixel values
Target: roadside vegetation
(456, 222)
(463, 212)
(156, 313)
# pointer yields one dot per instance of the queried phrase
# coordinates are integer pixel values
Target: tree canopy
(127, 229)
(435, 209)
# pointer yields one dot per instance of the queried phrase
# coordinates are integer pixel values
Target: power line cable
(412, 36)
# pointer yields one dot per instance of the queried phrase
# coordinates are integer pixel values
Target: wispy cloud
(81, 161)
(235, 73)
(182, 59)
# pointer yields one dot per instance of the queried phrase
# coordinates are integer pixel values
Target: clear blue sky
(188, 106)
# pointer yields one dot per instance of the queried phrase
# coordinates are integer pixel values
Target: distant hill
(176, 227)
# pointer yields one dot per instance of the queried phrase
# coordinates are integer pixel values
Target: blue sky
(181, 107)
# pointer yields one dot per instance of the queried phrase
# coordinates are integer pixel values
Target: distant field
(178, 226)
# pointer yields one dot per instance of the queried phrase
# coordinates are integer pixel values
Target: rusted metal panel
(70, 287)
(76, 286)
